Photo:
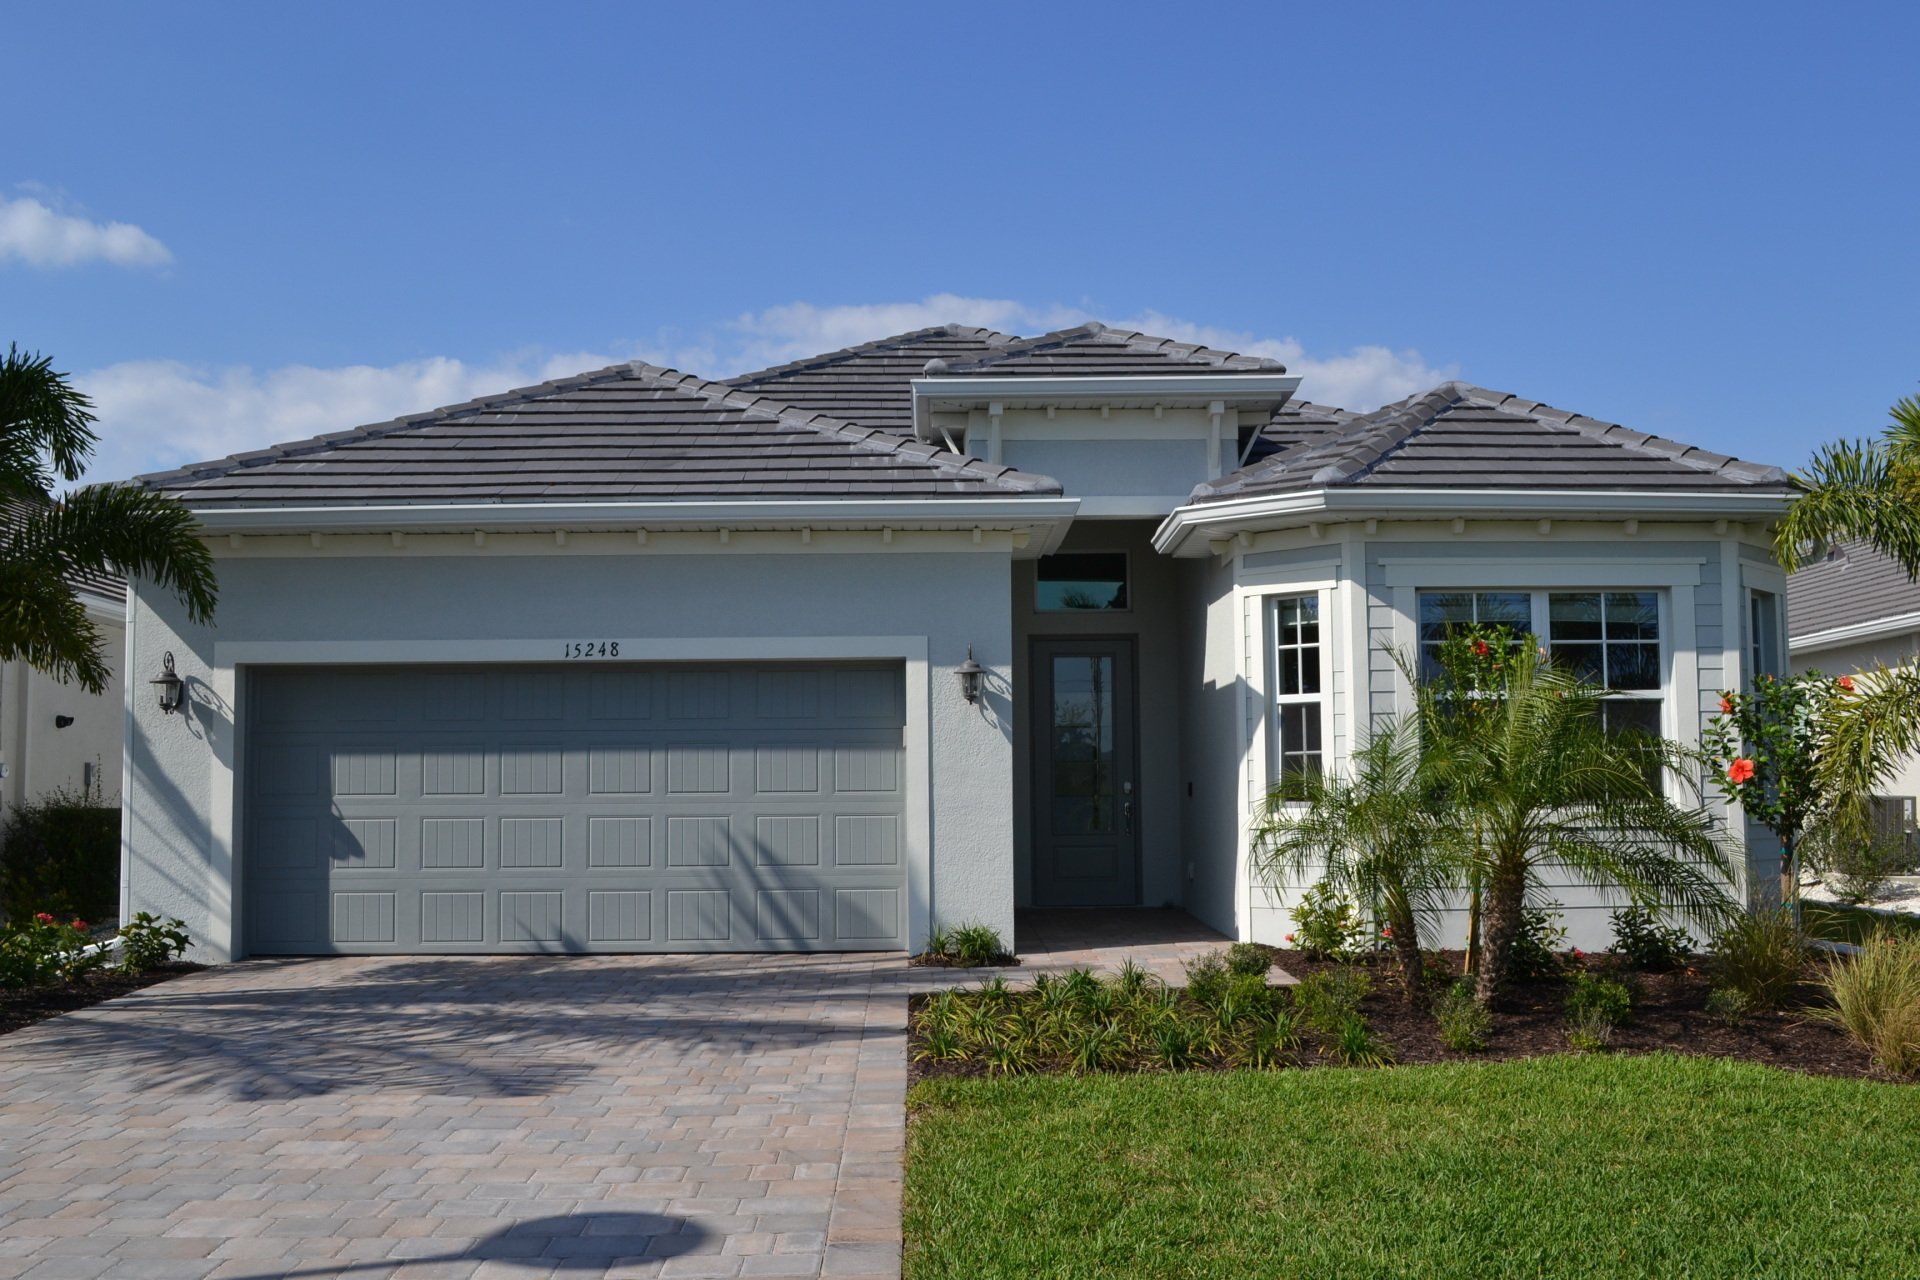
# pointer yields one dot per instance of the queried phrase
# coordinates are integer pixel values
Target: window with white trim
(1297, 728)
(1612, 638)
(1763, 635)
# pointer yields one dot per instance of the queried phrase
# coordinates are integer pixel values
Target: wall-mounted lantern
(168, 685)
(970, 673)
(61, 722)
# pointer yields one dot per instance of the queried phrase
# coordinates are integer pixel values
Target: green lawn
(1567, 1166)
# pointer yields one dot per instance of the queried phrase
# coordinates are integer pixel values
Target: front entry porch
(1159, 939)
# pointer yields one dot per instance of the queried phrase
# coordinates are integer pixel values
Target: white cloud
(42, 235)
(156, 414)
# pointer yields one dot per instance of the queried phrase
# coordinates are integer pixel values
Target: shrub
(1592, 999)
(1354, 1044)
(1728, 1005)
(1589, 1031)
(147, 943)
(1326, 1001)
(1761, 955)
(1327, 925)
(968, 946)
(1248, 958)
(41, 950)
(1207, 977)
(1643, 942)
(1876, 998)
(1465, 1023)
(1858, 868)
(60, 855)
(1535, 953)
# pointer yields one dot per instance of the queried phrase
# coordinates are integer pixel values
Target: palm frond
(41, 415)
(126, 530)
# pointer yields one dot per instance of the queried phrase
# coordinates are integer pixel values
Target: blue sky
(1698, 221)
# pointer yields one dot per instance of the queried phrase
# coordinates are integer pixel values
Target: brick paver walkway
(488, 1117)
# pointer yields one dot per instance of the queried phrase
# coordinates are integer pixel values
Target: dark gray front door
(1085, 802)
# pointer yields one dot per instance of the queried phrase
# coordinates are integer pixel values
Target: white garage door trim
(230, 657)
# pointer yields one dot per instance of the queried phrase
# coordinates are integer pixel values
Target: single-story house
(57, 739)
(913, 633)
(1855, 609)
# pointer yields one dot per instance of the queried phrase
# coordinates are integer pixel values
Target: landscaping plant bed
(931, 960)
(1529, 1020)
(28, 1005)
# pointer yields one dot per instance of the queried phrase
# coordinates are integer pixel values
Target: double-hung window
(1293, 625)
(1611, 638)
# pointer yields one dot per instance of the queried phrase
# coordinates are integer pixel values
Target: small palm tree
(1537, 782)
(46, 543)
(1374, 836)
(1863, 491)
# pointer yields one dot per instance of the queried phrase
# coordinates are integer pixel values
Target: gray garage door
(602, 808)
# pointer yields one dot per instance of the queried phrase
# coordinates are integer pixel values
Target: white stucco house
(922, 631)
(57, 739)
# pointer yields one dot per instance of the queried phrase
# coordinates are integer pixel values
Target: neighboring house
(637, 661)
(1854, 610)
(57, 738)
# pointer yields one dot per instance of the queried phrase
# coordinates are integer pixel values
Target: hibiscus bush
(1764, 745)
(43, 949)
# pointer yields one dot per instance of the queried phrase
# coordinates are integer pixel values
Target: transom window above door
(1077, 581)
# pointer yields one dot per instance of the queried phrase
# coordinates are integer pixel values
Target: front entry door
(1086, 807)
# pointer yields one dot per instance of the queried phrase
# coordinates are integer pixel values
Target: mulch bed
(1529, 1020)
(928, 960)
(36, 1004)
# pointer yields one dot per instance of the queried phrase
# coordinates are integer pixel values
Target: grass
(1655, 1166)
(1832, 922)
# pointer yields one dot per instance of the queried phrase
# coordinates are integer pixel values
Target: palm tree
(46, 436)
(1374, 837)
(1539, 783)
(1863, 491)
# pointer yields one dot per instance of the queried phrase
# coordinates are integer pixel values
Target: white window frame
(1542, 628)
(1270, 603)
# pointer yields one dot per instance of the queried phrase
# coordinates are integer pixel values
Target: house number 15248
(591, 649)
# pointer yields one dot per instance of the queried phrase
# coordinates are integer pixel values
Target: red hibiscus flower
(42, 917)
(1481, 648)
(1726, 705)
(1741, 770)
(1845, 682)
(1387, 932)
(1289, 937)
(78, 924)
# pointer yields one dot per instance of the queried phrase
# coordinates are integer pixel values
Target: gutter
(1854, 633)
(1265, 511)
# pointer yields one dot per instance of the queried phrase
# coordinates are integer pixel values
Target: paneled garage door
(602, 808)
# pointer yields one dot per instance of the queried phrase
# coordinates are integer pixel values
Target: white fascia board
(507, 517)
(1855, 633)
(1232, 389)
(1280, 510)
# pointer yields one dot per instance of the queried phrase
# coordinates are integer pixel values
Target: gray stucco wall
(952, 598)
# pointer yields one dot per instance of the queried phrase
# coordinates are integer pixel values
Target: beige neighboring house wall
(39, 755)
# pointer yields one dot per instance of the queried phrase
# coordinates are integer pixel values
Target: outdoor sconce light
(169, 686)
(970, 673)
(61, 722)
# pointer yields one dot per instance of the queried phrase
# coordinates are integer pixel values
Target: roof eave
(1225, 516)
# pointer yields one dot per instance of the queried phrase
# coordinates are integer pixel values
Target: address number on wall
(590, 649)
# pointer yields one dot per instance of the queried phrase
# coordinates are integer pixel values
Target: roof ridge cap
(826, 358)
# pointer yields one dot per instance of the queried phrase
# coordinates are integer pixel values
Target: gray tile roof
(625, 433)
(1463, 436)
(868, 384)
(1854, 584)
(1093, 350)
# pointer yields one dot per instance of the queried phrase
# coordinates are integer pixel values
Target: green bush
(1249, 958)
(1728, 1005)
(1588, 1031)
(1207, 977)
(1643, 942)
(1760, 954)
(1326, 1001)
(147, 942)
(1876, 998)
(1327, 925)
(1354, 1044)
(60, 855)
(1465, 1023)
(968, 946)
(1535, 953)
(1598, 999)
(42, 950)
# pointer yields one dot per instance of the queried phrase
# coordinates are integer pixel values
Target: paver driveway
(512, 1116)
